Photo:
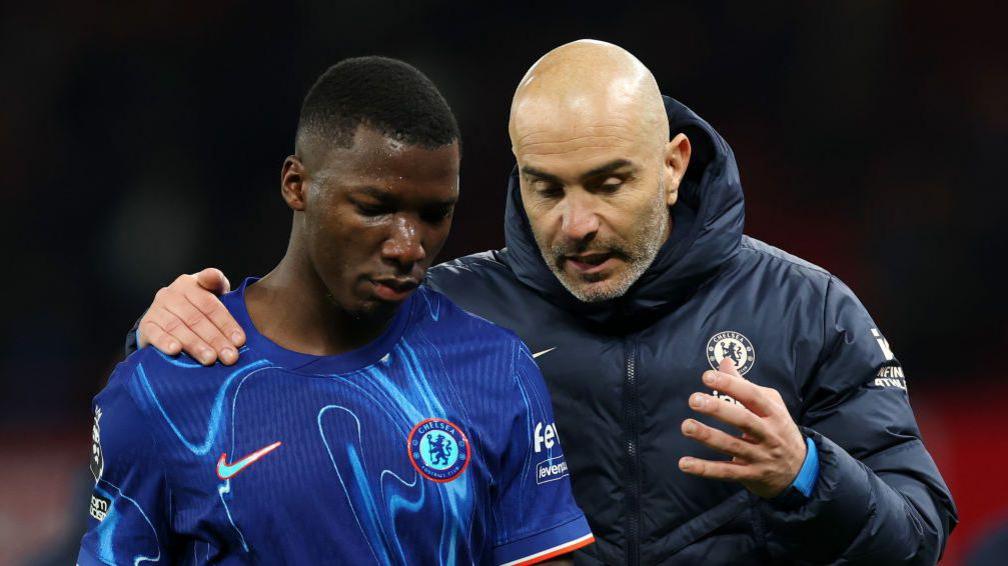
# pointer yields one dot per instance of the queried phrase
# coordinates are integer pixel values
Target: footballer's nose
(404, 245)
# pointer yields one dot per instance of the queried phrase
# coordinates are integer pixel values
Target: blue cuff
(809, 473)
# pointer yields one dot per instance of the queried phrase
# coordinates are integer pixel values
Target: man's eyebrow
(610, 167)
(451, 201)
(385, 196)
(532, 171)
(373, 192)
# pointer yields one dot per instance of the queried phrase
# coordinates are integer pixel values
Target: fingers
(729, 413)
(742, 390)
(728, 366)
(149, 333)
(195, 321)
(221, 323)
(213, 280)
(720, 440)
(713, 470)
(175, 328)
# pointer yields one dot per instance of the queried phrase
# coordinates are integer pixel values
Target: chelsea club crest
(438, 449)
(734, 346)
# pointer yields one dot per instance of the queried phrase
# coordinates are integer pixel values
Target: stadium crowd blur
(139, 142)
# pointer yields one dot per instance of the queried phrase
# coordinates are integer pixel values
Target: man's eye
(371, 209)
(610, 185)
(436, 215)
(549, 190)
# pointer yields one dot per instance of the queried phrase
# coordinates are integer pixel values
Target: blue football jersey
(434, 444)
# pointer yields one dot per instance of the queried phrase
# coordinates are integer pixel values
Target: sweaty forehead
(377, 156)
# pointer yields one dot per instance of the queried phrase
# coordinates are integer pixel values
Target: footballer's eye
(437, 214)
(368, 209)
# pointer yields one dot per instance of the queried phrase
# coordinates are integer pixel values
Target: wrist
(803, 485)
(804, 482)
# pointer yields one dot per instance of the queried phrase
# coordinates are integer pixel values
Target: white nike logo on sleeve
(537, 354)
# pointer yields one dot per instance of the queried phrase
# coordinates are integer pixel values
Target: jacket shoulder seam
(805, 266)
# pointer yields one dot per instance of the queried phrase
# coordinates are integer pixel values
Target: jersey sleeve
(128, 514)
(536, 515)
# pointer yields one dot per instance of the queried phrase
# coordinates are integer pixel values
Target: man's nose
(404, 245)
(580, 220)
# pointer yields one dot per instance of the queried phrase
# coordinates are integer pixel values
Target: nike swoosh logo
(227, 471)
(537, 354)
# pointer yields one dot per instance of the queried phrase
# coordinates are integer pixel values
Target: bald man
(720, 401)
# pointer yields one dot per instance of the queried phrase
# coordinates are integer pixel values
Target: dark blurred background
(139, 141)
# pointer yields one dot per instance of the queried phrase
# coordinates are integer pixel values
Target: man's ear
(294, 183)
(677, 156)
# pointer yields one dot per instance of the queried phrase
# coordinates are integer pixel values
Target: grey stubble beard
(638, 254)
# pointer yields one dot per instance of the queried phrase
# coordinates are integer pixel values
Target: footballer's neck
(292, 307)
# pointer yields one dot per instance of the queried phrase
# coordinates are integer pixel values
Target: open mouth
(590, 262)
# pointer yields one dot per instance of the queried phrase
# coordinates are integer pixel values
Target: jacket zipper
(631, 411)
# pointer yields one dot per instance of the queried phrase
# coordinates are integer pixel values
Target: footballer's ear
(293, 183)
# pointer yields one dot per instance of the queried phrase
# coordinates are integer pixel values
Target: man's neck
(291, 306)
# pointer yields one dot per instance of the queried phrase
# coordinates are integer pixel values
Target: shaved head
(597, 170)
(587, 83)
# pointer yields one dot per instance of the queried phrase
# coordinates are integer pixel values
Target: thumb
(728, 366)
(213, 280)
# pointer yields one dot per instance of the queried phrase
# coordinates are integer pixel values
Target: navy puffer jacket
(620, 374)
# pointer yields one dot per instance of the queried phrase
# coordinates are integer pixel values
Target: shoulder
(482, 336)
(123, 432)
(789, 275)
(466, 270)
(458, 322)
(160, 384)
(151, 365)
(777, 262)
(777, 259)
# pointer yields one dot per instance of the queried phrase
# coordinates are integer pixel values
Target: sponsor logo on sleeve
(883, 345)
(544, 436)
(890, 376)
(97, 462)
(551, 469)
(99, 507)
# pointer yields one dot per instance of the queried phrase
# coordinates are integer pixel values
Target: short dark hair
(385, 94)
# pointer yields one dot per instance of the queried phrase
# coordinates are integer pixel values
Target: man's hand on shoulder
(768, 456)
(188, 316)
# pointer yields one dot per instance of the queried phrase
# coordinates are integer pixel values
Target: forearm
(860, 515)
